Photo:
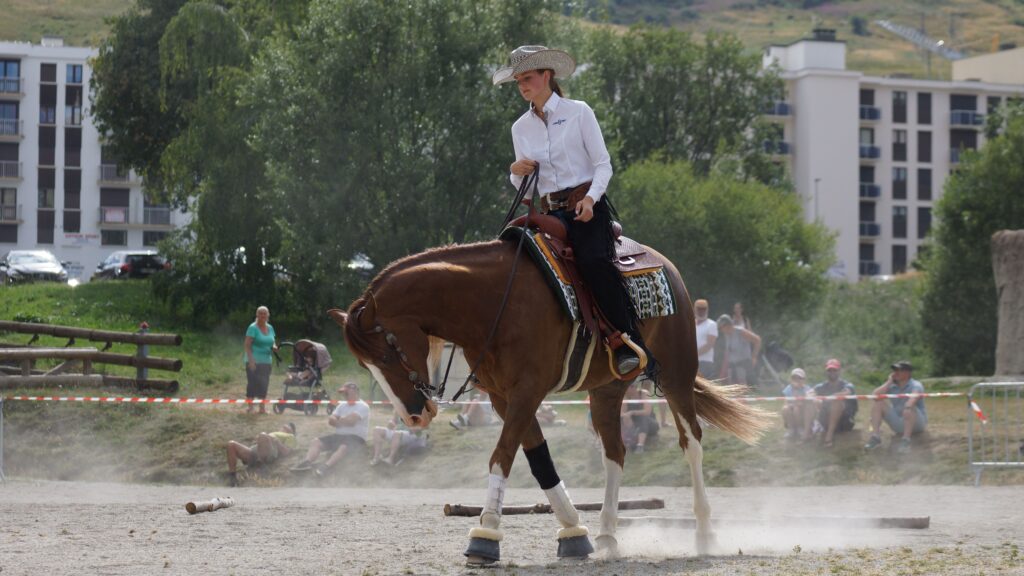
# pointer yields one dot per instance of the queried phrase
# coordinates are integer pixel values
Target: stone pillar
(1008, 265)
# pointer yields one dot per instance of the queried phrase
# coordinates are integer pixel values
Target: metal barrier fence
(995, 441)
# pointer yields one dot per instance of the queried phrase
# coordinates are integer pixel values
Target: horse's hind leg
(605, 406)
(681, 402)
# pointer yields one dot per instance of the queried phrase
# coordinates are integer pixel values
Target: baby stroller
(304, 380)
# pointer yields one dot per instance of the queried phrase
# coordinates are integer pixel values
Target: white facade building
(59, 189)
(869, 155)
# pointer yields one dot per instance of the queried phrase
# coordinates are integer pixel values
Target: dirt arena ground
(81, 528)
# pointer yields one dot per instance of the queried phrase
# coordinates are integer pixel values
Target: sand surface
(83, 528)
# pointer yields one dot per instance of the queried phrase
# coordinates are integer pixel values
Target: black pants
(594, 249)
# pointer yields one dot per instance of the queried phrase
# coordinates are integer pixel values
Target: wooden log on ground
(168, 386)
(210, 506)
(646, 504)
(60, 380)
(681, 523)
(171, 364)
(93, 335)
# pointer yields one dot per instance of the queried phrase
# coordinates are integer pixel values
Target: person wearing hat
(561, 139)
(351, 422)
(268, 448)
(836, 415)
(798, 413)
(707, 335)
(906, 416)
(742, 349)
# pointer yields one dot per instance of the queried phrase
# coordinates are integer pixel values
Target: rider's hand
(585, 209)
(523, 167)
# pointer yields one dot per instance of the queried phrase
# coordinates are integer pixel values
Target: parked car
(31, 266)
(131, 264)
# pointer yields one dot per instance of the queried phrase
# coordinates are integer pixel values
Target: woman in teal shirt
(259, 345)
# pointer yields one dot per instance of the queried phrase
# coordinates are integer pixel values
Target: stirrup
(632, 374)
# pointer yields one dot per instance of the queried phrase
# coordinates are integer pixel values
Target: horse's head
(398, 353)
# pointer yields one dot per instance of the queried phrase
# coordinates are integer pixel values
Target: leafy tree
(982, 197)
(659, 91)
(731, 240)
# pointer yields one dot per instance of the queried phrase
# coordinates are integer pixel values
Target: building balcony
(147, 217)
(870, 151)
(869, 190)
(968, 118)
(870, 113)
(870, 230)
(11, 129)
(869, 268)
(776, 147)
(156, 216)
(11, 87)
(10, 214)
(114, 174)
(778, 108)
(10, 170)
(114, 215)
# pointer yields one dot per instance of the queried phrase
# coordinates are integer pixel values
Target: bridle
(424, 388)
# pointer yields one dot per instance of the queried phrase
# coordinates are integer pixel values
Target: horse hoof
(707, 544)
(608, 544)
(574, 543)
(482, 551)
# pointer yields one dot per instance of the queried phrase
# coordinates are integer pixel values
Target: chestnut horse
(396, 329)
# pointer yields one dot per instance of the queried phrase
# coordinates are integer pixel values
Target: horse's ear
(339, 316)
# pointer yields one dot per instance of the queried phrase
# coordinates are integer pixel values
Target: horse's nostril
(415, 419)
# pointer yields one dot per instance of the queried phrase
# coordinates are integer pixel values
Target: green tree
(983, 196)
(731, 240)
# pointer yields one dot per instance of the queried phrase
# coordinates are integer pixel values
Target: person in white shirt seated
(351, 422)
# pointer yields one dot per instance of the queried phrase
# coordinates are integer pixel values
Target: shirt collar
(551, 105)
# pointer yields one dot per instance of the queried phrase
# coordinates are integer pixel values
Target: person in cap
(798, 412)
(707, 335)
(269, 447)
(351, 423)
(906, 416)
(562, 140)
(742, 349)
(836, 414)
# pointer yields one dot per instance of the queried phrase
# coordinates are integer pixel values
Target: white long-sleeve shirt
(568, 146)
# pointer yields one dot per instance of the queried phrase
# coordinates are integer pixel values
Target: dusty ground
(81, 528)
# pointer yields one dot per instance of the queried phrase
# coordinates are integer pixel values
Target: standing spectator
(738, 318)
(906, 416)
(742, 349)
(260, 343)
(835, 415)
(707, 335)
(269, 447)
(798, 413)
(351, 422)
(638, 421)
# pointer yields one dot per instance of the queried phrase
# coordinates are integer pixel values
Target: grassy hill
(970, 25)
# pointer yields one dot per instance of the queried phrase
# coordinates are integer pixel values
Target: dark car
(31, 266)
(131, 264)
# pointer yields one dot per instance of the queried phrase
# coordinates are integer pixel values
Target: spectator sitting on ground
(906, 416)
(351, 422)
(398, 442)
(477, 412)
(546, 414)
(638, 423)
(798, 412)
(835, 415)
(267, 449)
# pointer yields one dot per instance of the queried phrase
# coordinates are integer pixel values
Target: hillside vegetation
(975, 26)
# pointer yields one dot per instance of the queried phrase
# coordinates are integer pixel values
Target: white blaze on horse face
(395, 401)
(610, 508)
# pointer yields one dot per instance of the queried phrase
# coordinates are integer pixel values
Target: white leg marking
(395, 402)
(610, 508)
(562, 506)
(496, 483)
(701, 507)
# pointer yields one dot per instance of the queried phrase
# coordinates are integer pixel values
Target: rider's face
(532, 83)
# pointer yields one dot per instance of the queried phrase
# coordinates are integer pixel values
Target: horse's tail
(718, 405)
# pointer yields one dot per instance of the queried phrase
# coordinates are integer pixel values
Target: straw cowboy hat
(527, 58)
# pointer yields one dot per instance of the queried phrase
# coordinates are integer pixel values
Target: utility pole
(816, 182)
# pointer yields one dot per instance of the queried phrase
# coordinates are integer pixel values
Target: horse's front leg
(605, 409)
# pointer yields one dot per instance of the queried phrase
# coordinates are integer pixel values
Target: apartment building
(869, 155)
(60, 188)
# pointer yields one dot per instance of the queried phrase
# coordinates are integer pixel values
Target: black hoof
(575, 547)
(487, 551)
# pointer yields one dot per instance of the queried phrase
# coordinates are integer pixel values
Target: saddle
(550, 237)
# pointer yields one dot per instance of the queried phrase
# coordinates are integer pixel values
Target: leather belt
(563, 199)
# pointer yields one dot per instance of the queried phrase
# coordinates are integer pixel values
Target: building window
(10, 69)
(114, 237)
(9, 233)
(899, 183)
(8, 204)
(74, 74)
(46, 198)
(867, 136)
(867, 211)
(867, 252)
(45, 226)
(152, 237)
(867, 97)
(47, 183)
(48, 73)
(899, 258)
(924, 184)
(924, 108)
(924, 221)
(899, 221)
(899, 107)
(924, 146)
(47, 145)
(73, 147)
(899, 145)
(867, 174)
(73, 221)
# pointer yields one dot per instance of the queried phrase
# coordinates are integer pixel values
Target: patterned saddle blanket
(646, 281)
